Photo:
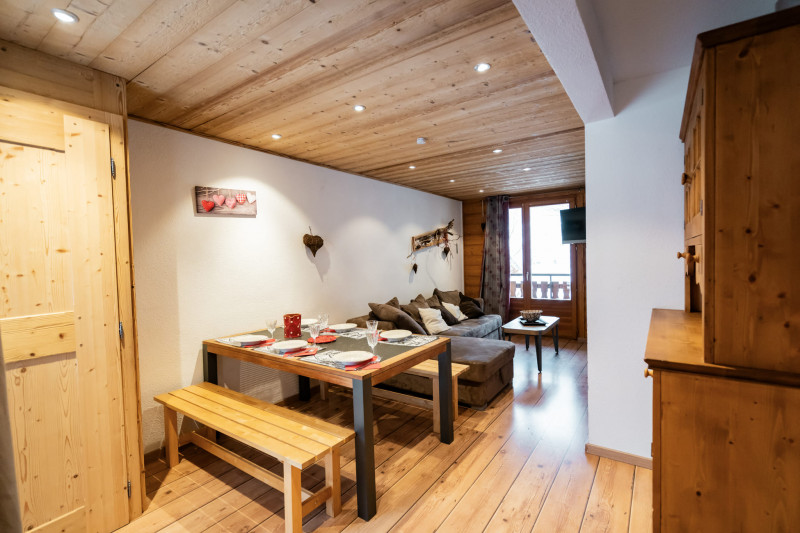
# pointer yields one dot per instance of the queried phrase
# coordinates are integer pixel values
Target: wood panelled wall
(472, 218)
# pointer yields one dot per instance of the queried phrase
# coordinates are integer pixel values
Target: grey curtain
(495, 275)
(9, 504)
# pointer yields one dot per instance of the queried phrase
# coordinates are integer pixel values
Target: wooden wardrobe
(726, 370)
(66, 295)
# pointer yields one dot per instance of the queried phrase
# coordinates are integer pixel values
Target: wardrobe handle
(648, 373)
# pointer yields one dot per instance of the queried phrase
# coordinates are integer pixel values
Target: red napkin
(328, 330)
(301, 353)
(262, 343)
(322, 339)
(383, 339)
(368, 365)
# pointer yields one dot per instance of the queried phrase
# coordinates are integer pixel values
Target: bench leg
(333, 506)
(323, 390)
(171, 434)
(437, 421)
(455, 397)
(292, 499)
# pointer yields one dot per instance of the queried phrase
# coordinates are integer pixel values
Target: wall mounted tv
(573, 225)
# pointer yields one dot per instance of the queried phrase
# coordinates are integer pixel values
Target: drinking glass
(322, 319)
(272, 324)
(372, 340)
(372, 325)
(313, 331)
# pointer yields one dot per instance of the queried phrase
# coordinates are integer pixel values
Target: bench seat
(295, 439)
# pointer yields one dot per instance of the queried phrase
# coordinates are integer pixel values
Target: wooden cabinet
(741, 129)
(726, 441)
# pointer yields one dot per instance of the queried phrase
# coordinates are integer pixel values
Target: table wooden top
(395, 359)
(516, 325)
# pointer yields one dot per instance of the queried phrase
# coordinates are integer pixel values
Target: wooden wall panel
(471, 219)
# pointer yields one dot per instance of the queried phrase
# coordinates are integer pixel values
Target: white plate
(352, 357)
(396, 334)
(288, 346)
(308, 321)
(247, 340)
(338, 328)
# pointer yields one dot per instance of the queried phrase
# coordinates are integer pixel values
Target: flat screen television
(573, 225)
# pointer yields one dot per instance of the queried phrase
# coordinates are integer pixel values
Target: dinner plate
(288, 346)
(352, 357)
(338, 328)
(396, 334)
(323, 339)
(247, 340)
(308, 321)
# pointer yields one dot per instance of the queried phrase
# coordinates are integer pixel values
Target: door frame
(577, 305)
(32, 107)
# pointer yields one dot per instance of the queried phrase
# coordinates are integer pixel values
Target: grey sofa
(474, 342)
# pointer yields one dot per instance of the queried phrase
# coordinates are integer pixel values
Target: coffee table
(516, 327)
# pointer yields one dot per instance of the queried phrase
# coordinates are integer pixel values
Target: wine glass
(322, 319)
(272, 324)
(372, 325)
(372, 340)
(313, 332)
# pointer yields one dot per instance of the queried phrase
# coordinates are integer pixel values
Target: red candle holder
(291, 325)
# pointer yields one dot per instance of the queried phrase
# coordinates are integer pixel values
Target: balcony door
(544, 273)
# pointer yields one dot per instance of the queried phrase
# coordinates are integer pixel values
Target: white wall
(198, 277)
(634, 203)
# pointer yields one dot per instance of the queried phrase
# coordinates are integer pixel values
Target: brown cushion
(471, 309)
(394, 302)
(433, 301)
(400, 318)
(448, 317)
(476, 301)
(451, 297)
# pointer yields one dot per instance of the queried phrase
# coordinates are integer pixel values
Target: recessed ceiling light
(496, 151)
(452, 181)
(276, 136)
(412, 167)
(526, 169)
(482, 67)
(480, 190)
(421, 140)
(64, 16)
(359, 107)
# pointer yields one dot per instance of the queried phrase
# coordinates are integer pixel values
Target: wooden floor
(519, 465)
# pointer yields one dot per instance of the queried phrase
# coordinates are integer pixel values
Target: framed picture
(222, 202)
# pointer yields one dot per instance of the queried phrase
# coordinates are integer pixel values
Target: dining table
(395, 358)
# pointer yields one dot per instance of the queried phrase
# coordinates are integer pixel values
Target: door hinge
(121, 332)
(113, 169)
(129, 488)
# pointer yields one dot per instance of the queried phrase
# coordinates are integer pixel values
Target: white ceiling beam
(569, 36)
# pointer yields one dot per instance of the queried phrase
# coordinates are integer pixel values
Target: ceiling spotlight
(482, 67)
(452, 181)
(421, 140)
(64, 16)
(359, 107)
(276, 136)
(480, 190)
(412, 167)
(526, 169)
(496, 151)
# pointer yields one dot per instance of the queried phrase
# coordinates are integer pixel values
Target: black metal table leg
(445, 397)
(538, 339)
(365, 447)
(210, 366)
(527, 342)
(304, 385)
(555, 337)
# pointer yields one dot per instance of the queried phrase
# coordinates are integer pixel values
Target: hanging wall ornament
(313, 242)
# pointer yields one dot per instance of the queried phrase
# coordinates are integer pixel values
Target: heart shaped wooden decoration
(241, 197)
(251, 197)
(219, 199)
(313, 242)
(208, 205)
(231, 202)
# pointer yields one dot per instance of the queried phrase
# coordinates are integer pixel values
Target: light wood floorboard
(518, 466)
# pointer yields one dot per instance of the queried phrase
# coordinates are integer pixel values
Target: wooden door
(59, 320)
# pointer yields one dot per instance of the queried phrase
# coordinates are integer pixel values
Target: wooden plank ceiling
(243, 70)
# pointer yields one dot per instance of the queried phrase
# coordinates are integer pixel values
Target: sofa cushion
(484, 356)
(447, 316)
(475, 327)
(433, 301)
(400, 318)
(451, 297)
(455, 311)
(433, 320)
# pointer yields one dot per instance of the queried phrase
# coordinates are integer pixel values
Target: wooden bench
(427, 369)
(295, 439)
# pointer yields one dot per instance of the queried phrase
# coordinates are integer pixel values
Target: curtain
(495, 275)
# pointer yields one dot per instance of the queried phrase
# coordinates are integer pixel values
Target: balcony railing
(544, 286)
